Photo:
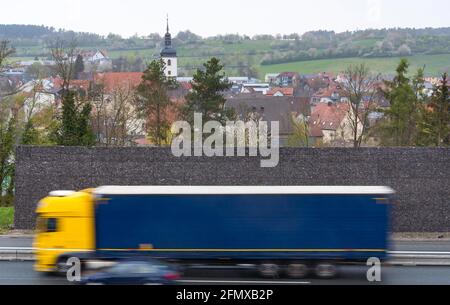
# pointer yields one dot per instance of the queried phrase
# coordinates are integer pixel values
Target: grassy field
(6, 218)
(192, 56)
(435, 65)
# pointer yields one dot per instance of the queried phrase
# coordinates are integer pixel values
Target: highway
(16, 241)
(21, 273)
(432, 246)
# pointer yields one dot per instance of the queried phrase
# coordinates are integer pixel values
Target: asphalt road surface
(21, 273)
(16, 241)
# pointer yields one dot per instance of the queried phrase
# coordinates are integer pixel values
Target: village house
(288, 79)
(331, 124)
(116, 84)
(96, 61)
(261, 88)
(333, 94)
(270, 108)
(271, 78)
(280, 91)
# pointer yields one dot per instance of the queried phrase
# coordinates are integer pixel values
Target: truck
(293, 230)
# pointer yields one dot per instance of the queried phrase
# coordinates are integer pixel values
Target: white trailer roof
(241, 190)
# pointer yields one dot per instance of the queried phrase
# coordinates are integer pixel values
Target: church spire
(167, 23)
(168, 50)
(169, 54)
(168, 36)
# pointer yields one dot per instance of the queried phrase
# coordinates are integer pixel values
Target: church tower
(169, 55)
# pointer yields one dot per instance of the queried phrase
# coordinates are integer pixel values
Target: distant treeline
(30, 41)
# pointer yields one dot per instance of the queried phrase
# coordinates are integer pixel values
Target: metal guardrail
(16, 254)
(423, 254)
(419, 258)
(396, 257)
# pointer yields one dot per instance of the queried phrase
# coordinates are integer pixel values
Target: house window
(169, 62)
(169, 72)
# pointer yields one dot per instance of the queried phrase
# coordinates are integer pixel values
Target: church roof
(168, 50)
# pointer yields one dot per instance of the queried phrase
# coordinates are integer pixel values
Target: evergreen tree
(153, 101)
(30, 135)
(8, 129)
(78, 67)
(207, 94)
(74, 129)
(400, 127)
(435, 123)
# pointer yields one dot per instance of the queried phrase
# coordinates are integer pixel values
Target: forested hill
(242, 50)
(20, 31)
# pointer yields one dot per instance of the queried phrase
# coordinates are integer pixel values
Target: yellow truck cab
(65, 224)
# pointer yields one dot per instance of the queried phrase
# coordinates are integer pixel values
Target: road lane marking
(243, 282)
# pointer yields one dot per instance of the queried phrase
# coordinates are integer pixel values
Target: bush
(6, 201)
(6, 218)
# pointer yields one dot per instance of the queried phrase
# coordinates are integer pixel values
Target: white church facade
(169, 55)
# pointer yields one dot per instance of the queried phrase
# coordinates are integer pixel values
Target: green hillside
(435, 65)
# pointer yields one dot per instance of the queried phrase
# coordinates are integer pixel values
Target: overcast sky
(211, 17)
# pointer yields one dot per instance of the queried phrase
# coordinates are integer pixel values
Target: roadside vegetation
(6, 219)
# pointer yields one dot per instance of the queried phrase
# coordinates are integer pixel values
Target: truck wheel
(269, 270)
(326, 271)
(297, 271)
(61, 266)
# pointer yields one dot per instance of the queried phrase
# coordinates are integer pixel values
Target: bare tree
(360, 87)
(64, 54)
(114, 119)
(300, 131)
(5, 51)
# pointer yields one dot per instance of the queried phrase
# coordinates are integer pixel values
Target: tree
(30, 135)
(5, 51)
(435, 123)
(300, 134)
(207, 97)
(8, 123)
(153, 101)
(63, 53)
(114, 117)
(401, 125)
(74, 128)
(38, 71)
(8, 135)
(78, 66)
(360, 88)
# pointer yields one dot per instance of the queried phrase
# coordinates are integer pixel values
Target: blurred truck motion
(277, 230)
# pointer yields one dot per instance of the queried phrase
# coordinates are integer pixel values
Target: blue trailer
(272, 227)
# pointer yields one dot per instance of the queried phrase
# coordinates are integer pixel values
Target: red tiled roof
(325, 92)
(186, 85)
(329, 116)
(75, 83)
(315, 131)
(284, 91)
(288, 74)
(142, 142)
(112, 80)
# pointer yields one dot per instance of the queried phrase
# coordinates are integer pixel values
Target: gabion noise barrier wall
(421, 177)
